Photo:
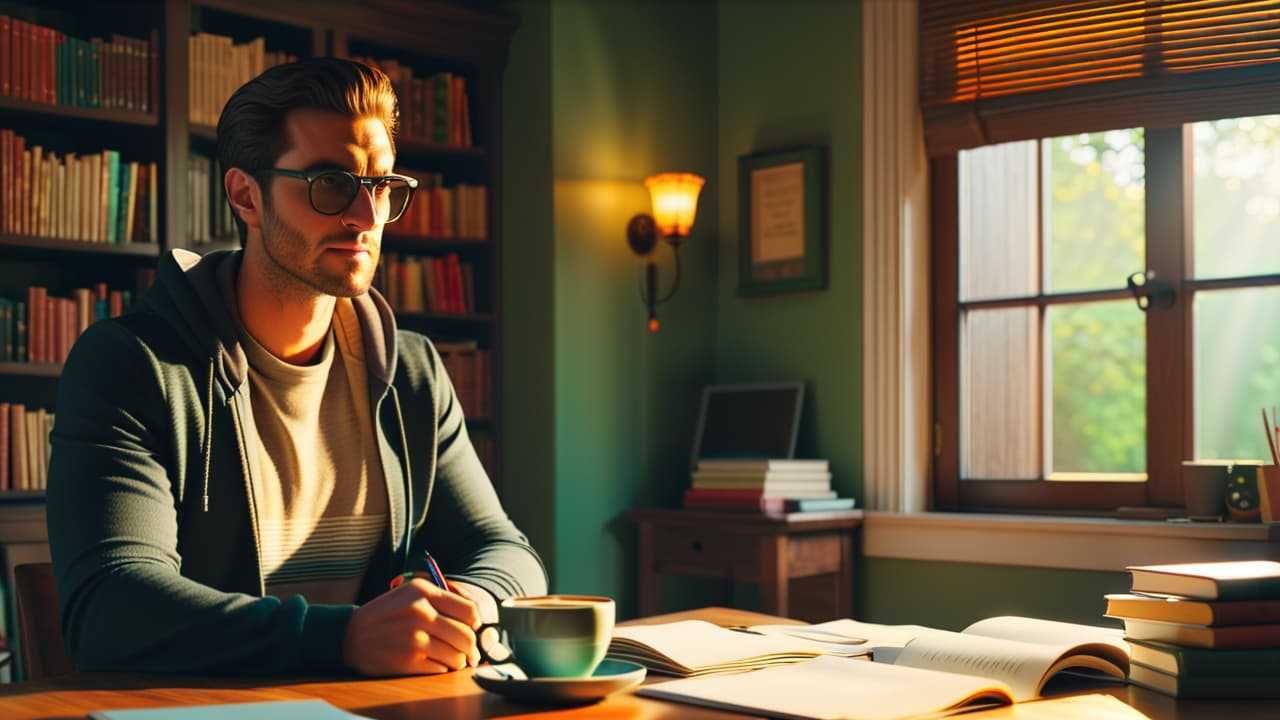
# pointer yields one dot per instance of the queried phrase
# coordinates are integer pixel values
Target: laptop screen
(759, 420)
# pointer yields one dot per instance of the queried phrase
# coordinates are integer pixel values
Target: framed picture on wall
(782, 221)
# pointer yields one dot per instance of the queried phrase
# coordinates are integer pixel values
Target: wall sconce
(675, 203)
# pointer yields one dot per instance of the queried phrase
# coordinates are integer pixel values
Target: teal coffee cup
(553, 635)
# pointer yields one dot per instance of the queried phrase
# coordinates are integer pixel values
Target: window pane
(1237, 197)
(1095, 198)
(999, 253)
(1000, 405)
(1098, 356)
(1237, 370)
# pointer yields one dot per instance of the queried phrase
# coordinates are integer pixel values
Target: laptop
(751, 420)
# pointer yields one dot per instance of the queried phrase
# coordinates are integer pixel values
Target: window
(1066, 394)
(1078, 146)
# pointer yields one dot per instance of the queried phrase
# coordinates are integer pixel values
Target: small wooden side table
(733, 546)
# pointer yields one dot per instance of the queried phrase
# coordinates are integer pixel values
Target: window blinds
(994, 71)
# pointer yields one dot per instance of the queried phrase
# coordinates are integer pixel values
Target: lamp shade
(675, 201)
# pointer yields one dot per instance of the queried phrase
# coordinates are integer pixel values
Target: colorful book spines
(42, 329)
(434, 108)
(24, 446)
(471, 371)
(459, 211)
(44, 65)
(217, 66)
(440, 285)
(96, 197)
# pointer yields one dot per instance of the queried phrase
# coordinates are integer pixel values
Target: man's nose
(362, 213)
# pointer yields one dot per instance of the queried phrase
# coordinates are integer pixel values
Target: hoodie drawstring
(208, 438)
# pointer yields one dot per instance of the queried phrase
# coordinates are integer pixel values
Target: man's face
(329, 254)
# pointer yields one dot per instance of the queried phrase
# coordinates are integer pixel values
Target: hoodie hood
(195, 295)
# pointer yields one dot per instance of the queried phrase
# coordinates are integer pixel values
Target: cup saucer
(508, 681)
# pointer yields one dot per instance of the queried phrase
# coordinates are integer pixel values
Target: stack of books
(774, 485)
(1204, 630)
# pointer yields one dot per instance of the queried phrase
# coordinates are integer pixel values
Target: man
(243, 463)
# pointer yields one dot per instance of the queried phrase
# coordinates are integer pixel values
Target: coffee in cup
(552, 635)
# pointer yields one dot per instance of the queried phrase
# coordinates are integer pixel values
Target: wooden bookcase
(428, 37)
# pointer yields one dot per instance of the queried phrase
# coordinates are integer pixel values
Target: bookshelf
(184, 56)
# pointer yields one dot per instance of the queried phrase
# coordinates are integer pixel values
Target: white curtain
(897, 424)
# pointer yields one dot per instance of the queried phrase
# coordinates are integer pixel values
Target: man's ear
(245, 195)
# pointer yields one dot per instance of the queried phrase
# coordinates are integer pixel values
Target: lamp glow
(675, 201)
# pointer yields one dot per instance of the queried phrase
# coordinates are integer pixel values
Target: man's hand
(414, 629)
(485, 604)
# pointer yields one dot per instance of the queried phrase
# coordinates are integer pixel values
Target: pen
(437, 577)
(433, 570)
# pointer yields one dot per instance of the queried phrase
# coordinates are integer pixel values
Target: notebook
(751, 420)
(271, 710)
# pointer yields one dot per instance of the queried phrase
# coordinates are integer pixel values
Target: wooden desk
(456, 697)
(770, 550)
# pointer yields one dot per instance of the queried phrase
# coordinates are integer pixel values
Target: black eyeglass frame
(361, 181)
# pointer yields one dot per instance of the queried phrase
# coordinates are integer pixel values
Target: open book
(833, 687)
(695, 647)
(1022, 653)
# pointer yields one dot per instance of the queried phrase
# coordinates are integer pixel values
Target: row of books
(439, 211)
(763, 485)
(217, 67)
(209, 216)
(441, 285)
(433, 108)
(1203, 630)
(42, 329)
(24, 446)
(92, 198)
(470, 369)
(44, 65)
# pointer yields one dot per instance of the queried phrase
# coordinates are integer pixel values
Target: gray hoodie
(150, 502)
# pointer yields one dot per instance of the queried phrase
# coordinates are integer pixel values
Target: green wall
(787, 80)
(952, 595)
(606, 410)
(598, 413)
(528, 267)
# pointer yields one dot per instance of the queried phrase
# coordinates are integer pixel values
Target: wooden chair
(40, 643)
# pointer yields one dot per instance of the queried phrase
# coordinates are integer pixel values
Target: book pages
(831, 687)
(1023, 666)
(1072, 707)
(696, 647)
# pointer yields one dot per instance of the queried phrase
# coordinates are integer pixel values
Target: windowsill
(1061, 542)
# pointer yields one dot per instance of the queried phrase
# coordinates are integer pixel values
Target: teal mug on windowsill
(562, 636)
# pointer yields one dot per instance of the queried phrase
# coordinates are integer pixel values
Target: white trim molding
(1061, 542)
(895, 235)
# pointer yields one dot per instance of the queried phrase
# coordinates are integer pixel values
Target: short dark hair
(251, 129)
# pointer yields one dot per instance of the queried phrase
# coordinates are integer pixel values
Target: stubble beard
(286, 250)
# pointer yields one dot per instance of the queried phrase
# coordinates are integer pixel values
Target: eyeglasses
(331, 192)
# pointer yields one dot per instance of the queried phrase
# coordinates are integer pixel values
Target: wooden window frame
(1170, 420)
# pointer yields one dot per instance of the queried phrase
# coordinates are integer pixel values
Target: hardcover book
(1193, 612)
(1182, 660)
(1204, 636)
(1209, 686)
(1232, 580)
